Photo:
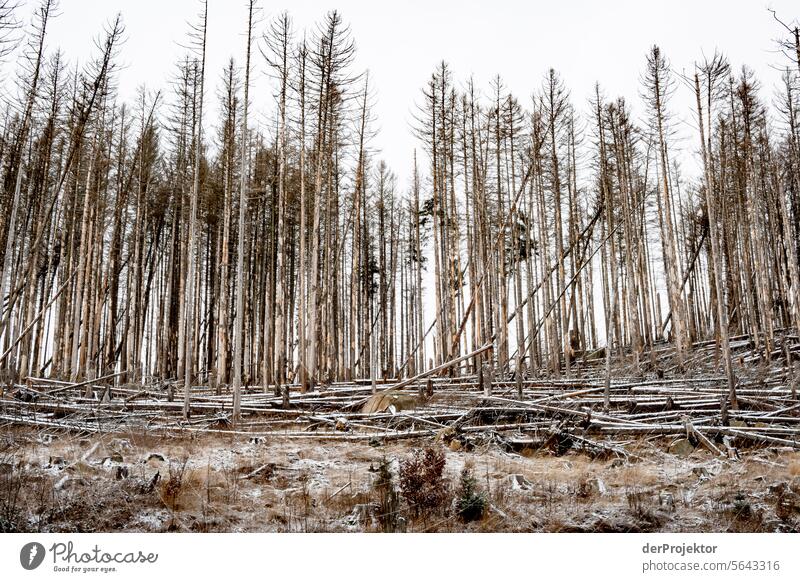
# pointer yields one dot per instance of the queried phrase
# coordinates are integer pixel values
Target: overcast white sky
(401, 42)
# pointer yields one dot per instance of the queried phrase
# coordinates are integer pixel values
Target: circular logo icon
(31, 555)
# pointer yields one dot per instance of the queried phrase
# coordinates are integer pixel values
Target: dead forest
(559, 273)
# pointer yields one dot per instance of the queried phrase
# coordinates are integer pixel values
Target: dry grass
(793, 468)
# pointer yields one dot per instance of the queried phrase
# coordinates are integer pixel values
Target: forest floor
(135, 482)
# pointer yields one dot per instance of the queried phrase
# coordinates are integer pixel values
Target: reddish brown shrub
(421, 479)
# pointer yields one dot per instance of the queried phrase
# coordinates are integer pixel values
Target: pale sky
(401, 42)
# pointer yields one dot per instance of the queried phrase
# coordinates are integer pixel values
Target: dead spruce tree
(238, 340)
(658, 86)
(198, 36)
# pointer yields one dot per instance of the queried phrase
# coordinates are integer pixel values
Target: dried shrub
(647, 516)
(12, 477)
(171, 490)
(471, 502)
(639, 502)
(741, 507)
(388, 499)
(786, 504)
(421, 480)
